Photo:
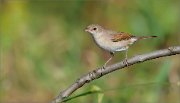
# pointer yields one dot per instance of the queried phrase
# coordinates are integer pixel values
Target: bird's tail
(145, 37)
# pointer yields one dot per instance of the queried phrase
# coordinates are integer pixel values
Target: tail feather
(145, 37)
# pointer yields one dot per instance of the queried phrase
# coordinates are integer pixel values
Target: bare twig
(95, 74)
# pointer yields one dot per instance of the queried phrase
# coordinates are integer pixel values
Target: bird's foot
(171, 49)
(104, 66)
(125, 61)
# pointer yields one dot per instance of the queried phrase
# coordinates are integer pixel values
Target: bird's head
(94, 29)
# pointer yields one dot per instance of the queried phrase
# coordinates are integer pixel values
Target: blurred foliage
(43, 49)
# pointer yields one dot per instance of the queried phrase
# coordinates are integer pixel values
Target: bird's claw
(125, 61)
(104, 66)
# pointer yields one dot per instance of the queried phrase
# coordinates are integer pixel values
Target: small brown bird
(113, 41)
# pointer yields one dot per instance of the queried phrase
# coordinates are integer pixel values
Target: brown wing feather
(121, 36)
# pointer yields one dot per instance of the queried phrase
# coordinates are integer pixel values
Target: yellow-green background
(44, 49)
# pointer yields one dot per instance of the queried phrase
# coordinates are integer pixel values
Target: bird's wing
(121, 36)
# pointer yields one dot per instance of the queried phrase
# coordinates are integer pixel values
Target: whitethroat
(113, 41)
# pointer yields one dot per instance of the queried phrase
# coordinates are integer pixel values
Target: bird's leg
(126, 52)
(112, 54)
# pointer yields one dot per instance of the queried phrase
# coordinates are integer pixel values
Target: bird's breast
(107, 44)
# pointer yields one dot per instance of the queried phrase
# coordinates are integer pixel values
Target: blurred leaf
(164, 70)
(100, 95)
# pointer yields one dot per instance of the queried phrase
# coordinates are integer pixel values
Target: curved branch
(95, 74)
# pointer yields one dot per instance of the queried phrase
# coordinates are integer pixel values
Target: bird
(113, 41)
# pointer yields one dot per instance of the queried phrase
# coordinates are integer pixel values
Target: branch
(95, 74)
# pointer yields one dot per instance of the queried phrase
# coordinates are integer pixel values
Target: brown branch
(95, 74)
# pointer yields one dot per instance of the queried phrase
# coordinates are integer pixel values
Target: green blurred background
(43, 49)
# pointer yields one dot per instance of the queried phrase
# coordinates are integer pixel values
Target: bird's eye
(94, 28)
